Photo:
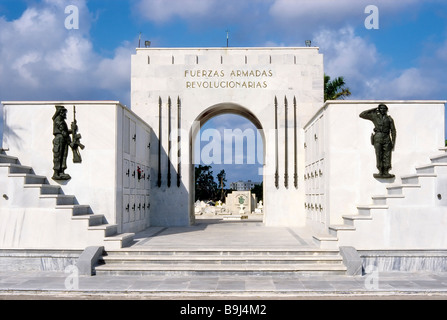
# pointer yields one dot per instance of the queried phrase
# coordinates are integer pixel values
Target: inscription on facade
(227, 79)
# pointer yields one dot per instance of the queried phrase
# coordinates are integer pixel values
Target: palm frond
(335, 89)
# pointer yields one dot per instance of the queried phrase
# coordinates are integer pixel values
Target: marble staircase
(25, 189)
(415, 190)
(212, 262)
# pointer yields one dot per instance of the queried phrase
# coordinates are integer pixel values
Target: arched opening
(227, 138)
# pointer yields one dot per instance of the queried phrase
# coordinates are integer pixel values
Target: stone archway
(208, 114)
(277, 89)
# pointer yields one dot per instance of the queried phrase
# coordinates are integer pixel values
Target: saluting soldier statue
(383, 139)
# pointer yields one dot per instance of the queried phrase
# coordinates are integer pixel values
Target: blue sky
(40, 59)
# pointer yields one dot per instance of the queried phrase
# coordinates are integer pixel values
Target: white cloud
(315, 11)
(73, 56)
(370, 75)
(162, 11)
(40, 59)
(201, 13)
(347, 54)
(21, 65)
(297, 21)
(326, 12)
(412, 83)
(416, 83)
(119, 66)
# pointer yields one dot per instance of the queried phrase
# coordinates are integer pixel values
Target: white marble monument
(178, 90)
(138, 164)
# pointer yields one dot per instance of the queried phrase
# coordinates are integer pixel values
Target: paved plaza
(217, 234)
(209, 233)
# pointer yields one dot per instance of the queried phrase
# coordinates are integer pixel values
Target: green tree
(205, 186)
(335, 89)
(259, 191)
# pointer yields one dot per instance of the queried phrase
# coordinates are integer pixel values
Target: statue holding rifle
(62, 141)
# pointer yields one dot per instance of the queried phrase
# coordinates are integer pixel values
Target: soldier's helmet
(59, 110)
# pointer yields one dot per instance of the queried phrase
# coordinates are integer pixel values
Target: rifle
(76, 139)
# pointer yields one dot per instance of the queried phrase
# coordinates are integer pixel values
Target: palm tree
(335, 89)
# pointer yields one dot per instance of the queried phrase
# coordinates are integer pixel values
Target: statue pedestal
(384, 176)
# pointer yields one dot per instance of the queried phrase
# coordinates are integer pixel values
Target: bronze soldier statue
(61, 143)
(383, 139)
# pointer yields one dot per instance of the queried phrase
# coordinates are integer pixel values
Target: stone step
(370, 209)
(8, 159)
(325, 241)
(350, 219)
(76, 209)
(59, 199)
(109, 229)
(399, 189)
(16, 168)
(210, 259)
(92, 219)
(416, 194)
(45, 188)
(312, 252)
(386, 199)
(220, 269)
(220, 261)
(334, 229)
(437, 168)
(416, 178)
(442, 158)
(29, 178)
(119, 241)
